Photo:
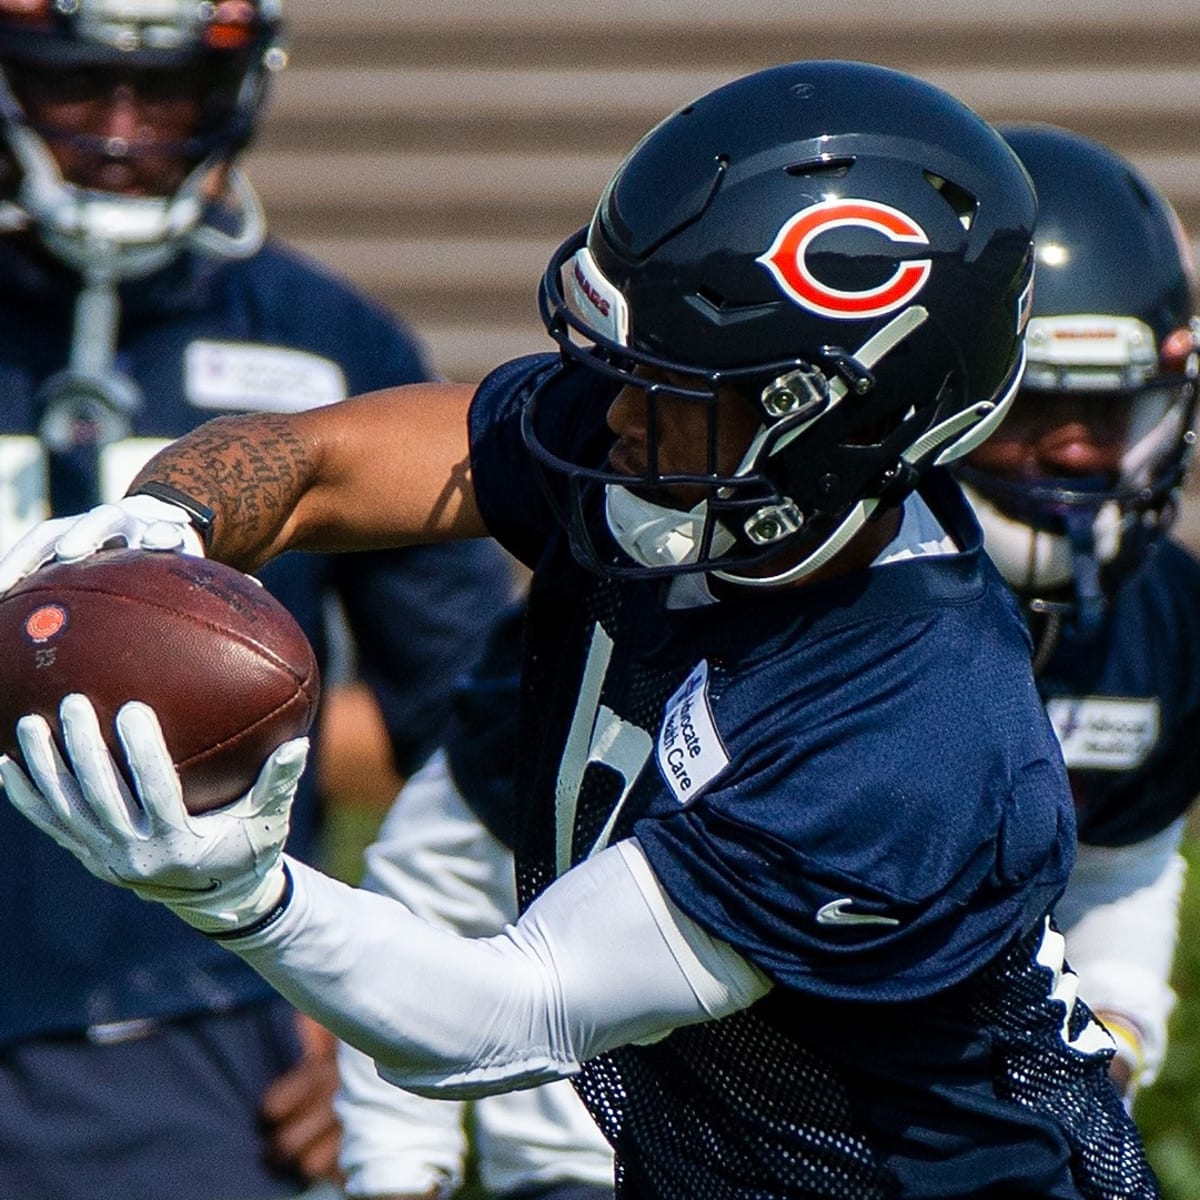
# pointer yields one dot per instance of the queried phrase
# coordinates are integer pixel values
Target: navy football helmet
(233, 45)
(61, 56)
(1112, 348)
(846, 247)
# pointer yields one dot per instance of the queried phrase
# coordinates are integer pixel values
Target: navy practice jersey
(1126, 703)
(481, 738)
(856, 786)
(200, 339)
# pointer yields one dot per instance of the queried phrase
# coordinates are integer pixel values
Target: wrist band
(201, 516)
(1128, 1039)
(267, 919)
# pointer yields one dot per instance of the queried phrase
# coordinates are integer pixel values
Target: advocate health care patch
(690, 752)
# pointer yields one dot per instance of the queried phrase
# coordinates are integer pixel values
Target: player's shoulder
(830, 774)
(282, 260)
(567, 408)
(282, 295)
(504, 392)
(1164, 591)
(1171, 558)
(872, 679)
(286, 280)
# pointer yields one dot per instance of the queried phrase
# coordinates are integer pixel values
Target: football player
(1075, 494)
(141, 296)
(793, 816)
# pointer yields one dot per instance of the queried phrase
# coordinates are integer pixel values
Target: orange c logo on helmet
(786, 259)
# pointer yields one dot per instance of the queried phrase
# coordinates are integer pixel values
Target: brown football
(224, 665)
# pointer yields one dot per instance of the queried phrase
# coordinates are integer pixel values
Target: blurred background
(436, 151)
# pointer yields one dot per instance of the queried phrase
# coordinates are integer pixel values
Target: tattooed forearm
(249, 469)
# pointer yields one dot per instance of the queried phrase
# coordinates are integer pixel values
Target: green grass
(349, 829)
(1169, 1112)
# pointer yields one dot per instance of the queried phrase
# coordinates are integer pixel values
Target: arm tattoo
(251, 470)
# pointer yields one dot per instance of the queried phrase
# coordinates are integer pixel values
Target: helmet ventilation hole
(960, 200)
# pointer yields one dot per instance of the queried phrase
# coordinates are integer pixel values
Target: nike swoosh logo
(211, 886)
(837, 912)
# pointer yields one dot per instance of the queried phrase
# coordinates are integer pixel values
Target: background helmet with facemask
(845, 246)
(69, 51)
(1112, 366)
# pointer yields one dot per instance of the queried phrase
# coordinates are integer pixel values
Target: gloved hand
(221, 872)
(136, 521)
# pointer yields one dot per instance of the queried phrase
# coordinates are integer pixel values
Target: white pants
(1120, 915)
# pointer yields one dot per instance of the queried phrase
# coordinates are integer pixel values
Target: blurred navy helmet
(1112, 362)
(845, 247)
(225, 49)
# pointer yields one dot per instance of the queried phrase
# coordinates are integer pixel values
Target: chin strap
(1090, 601)
(655, 535)
(1059, 575)
(1045, 627)
(90, 400)
(109, 240)
(960, 433)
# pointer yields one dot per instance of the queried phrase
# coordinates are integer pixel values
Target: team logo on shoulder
(690, 752)
(787, 259)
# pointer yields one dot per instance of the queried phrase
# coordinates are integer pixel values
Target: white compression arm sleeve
(434, 856)
(1120, 915)
(602, 958)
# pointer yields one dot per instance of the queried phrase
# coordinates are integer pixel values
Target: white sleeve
(527, 1140)
(393, 1142)
(433, 856)
(1120, 915)
(602, 958)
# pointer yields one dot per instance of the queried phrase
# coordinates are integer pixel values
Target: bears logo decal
(787, 259)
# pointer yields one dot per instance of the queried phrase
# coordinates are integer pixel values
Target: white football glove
(137, 522)
(222, 872)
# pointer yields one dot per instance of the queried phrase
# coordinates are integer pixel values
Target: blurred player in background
(792, 817)
(140, 298)
(1076, 493)
(445, 852)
